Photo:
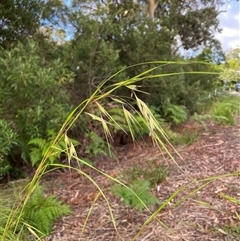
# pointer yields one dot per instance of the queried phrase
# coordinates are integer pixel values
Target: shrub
(32, 92)
(7, 140)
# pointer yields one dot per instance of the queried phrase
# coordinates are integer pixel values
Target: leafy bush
(32, 92)
(7, 140)
(198, 86)
(138, 197)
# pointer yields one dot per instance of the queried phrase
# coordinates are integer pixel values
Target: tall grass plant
(155, 130)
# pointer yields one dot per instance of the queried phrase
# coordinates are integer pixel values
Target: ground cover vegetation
(79, 79)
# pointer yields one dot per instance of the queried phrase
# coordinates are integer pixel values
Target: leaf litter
(193, 215)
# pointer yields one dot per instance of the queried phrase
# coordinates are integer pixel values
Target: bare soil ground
(191, 216)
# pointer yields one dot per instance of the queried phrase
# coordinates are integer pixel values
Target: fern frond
(40, 212)
(39, 142)
(35, 155)
(139, 197)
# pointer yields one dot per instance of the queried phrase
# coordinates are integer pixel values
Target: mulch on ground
(192, 215)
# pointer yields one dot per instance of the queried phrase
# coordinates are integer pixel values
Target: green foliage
(228, 75)
(205, 102)
(9, 192)
(7, 141)
(7, 138)
(5, 212)
(140, 180)
(138, 197)
(40, 212)
(211, 55)
(186, 137)
(224, 112)
(194, 26)
(176, 114)
(39, 146)
(120, 34)
(139, 128)
(8, 197)
(198, 88)
(97, 146)
(24, 19)
(233, 59)
(233, 230)
(89, 54)
(117, 118)
(25, 76)
(153, 172)
(32, 93)
(118, 121)
(158, 117)
(162, 89)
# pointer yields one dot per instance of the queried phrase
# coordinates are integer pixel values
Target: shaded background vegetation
(55, 53)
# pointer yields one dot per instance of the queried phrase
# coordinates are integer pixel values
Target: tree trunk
(152, 5)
